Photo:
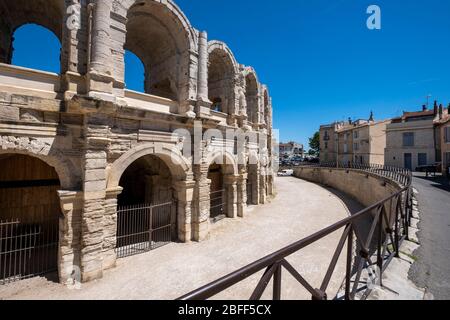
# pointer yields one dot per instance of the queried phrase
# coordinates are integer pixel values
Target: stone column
(110, 228)
(69, 236)
(185, 196)
(202, 91)
(100, 74)
(242, 195)
(94, 207)
(262, 188)
(230, 182)
(202, 202)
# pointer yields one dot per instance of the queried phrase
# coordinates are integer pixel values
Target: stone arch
(162, 37)
(266, 105)
(252, 93)
(169, 154)
(226, 159)
(46, 13)
(222, 71)
(55, 159)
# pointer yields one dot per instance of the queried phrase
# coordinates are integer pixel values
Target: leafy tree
(314, 143)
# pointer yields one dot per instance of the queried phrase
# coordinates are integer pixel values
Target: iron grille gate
(217, 205)
(27, 250)
(142, 228)
(249, 194)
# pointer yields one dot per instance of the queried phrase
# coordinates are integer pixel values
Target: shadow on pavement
(437, 181)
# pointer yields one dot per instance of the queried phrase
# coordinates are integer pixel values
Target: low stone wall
(365, 187)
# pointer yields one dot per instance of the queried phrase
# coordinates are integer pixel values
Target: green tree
(314, 143)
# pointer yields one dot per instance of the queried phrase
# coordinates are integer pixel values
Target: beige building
(361, 141)
(411, 140)
(92, 171)
(443, 129)
(328, 140)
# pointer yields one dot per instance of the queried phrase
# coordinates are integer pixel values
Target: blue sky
(318, 58)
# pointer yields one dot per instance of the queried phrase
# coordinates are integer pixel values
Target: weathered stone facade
(91, 129)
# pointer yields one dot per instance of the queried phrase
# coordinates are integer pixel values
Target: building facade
(361, 141)
(291, 149)
(84, 150)
(328, 142)
(443, 129)
(411, 140)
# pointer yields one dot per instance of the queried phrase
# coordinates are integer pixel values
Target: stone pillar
(185, 196)
(262, 188)
(100, 74)
(230, 182)
(110, 228)
(202, 202)
(94, 207)
(242, 195)
(69, 236)
(202, 91)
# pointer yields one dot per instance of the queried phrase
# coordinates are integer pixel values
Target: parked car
(286, 173)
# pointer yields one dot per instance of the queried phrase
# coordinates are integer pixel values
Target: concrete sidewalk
(300, 209)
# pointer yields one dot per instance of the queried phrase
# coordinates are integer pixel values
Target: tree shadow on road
(437, 181)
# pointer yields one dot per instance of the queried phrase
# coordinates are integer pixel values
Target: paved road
(432, 270)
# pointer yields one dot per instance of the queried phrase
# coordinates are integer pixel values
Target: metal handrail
(383, 224)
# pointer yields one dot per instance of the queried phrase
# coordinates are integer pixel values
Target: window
(447, 134)
(356, 146)
(326, 145)
(422, 159)
(408, 139)
(345, 148)
(355, 134)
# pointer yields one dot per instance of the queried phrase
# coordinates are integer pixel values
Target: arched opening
(252, 183)
(29, 218)
(266, 109)
(221, 80)
(146, 214)
(134, 72)
(251, 95)
(31, 26)
(44, 45)
(221, 192)
(162, 44)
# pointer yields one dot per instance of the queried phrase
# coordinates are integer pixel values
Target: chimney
(371, 119)
(435, 108)
(349, 120)
(424, 107)
(441, 111)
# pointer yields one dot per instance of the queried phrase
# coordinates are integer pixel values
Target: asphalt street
(432, 268)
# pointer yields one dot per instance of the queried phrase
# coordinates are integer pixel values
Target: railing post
(380, 244)
(348, 275)
(397, 238)
(277, 283)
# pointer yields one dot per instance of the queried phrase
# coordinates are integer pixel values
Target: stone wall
(367, 188)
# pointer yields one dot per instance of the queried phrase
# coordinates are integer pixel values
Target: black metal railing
(389, 221)
(217, 205)
(27, 249)
(145, 227)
